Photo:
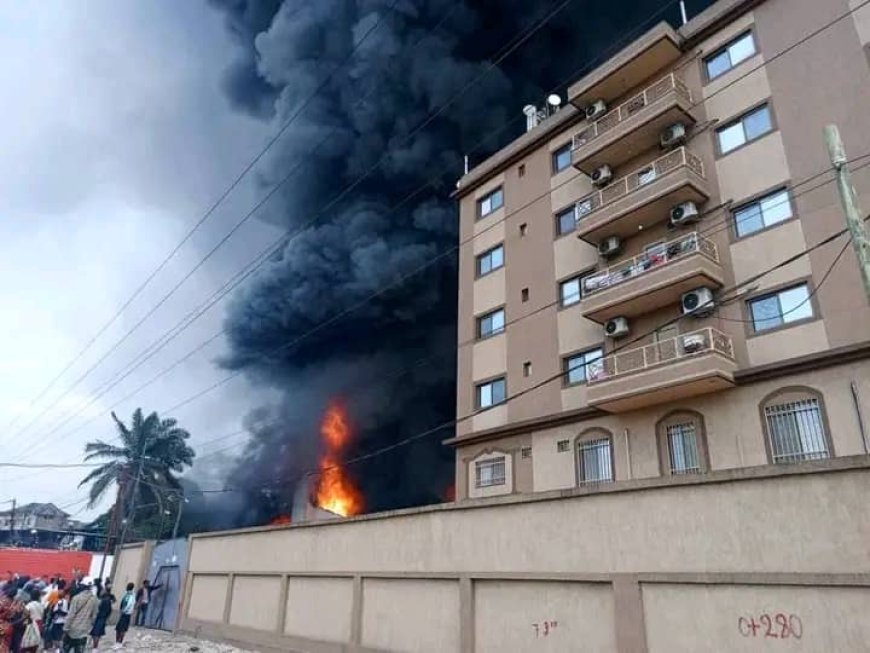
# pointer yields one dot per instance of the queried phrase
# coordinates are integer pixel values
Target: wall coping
(739, 474)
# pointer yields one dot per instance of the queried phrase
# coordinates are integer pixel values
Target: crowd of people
(59, 615)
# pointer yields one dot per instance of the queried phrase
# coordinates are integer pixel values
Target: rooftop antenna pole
(683, 12)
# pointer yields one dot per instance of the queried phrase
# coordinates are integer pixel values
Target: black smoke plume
(392, 362)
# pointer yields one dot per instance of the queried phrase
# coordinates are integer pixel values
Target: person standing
(143, 600)
(81, 617)
(128, 604)
(103, 613)
(34, 629)
(58, 619)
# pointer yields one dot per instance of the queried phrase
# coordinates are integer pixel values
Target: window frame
(478, 321)
(566, 379)
(554, 154)
(758, 198)
(492, 461)
(557, 220)
(488, 253)
(579, 277)
(483, 198)
(675, 417)
(792, 394)
(739, 120)
(751, 331)
(480, 384)
(593, 434)
(723, 49)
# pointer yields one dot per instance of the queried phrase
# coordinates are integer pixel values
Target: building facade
(625, 306)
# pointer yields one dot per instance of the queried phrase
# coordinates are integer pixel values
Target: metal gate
(166, 572)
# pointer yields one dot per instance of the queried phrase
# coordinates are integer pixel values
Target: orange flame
(334, 491)
(280, 520)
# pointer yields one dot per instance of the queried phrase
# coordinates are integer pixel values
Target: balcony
(642, 198)
(676, 368)
(634, 126)
(651, 280)
(639, 61)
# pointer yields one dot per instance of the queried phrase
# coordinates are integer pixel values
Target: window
(524, 295)
(490, 202)
(570, 291)
(595, 461)
(490, 324)
(683, 448)
(521, 170)
(490, 261)
(740, 49)
(796, 431)
(524, 229)
(527, 369)
(563, 446)
(489, 472)
(566, 221)
(748, 127)
(526, 452)
(491, 393)
(561, 158)
(578, 366)
(782, 307)
(763, 212)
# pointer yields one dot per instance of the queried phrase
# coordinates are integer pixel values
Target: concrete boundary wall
(726, 562)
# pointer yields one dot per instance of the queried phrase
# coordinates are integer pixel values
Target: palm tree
(155, 446)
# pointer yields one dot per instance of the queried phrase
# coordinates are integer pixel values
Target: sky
(116, 137)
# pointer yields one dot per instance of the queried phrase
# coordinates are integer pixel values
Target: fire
(335, 491)
(280, 520)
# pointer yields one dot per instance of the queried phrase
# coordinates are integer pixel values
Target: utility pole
(132, 512)
(112, 526)
(849, 199)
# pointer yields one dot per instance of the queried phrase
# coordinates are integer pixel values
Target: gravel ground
(156, 640)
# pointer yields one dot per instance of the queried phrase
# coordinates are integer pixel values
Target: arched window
(795, 426)
(594, 457)
(682, 443)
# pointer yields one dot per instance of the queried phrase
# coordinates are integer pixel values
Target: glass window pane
(570, 292)
(741, 49)
(497, 321)
(731, 137)
(748, 220)
(757, 123)
(765, 313)
(776, 208)
(718, 64)
(576, 369)
(496, 258)
(497, 200)
(562, 158)
(795, 304)
(498, 391)
(485, 395)
(565, 221)
(484, 265)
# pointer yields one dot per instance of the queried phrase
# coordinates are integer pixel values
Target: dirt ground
(155, 640)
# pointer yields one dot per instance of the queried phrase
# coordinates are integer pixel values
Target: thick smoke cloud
(398, 76)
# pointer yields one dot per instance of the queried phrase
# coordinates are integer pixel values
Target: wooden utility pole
(851, 209)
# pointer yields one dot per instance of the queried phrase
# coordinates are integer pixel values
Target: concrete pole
(849, 199)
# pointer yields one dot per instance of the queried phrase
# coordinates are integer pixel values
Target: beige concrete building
(620, 315)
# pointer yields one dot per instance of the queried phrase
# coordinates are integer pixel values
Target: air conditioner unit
(595, 110)
(616, 328)
(698, 302)
(601, 176)
(694, 342)
(685, 213)
(673, 136)
(610, 246)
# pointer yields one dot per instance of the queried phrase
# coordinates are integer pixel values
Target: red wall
(43, 562)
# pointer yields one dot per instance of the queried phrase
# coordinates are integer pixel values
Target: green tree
(156, 446)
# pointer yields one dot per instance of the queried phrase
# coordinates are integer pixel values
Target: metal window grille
(796, 431)
(595, 461)
(562, 446)
(526, 452)
(683, 448)
(489, 472)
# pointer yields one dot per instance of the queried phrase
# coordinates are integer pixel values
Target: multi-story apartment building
(621, 312)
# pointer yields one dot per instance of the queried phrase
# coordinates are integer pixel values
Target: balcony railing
(630, 107)
(650, 260)
(637, 179)
(660, 353)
